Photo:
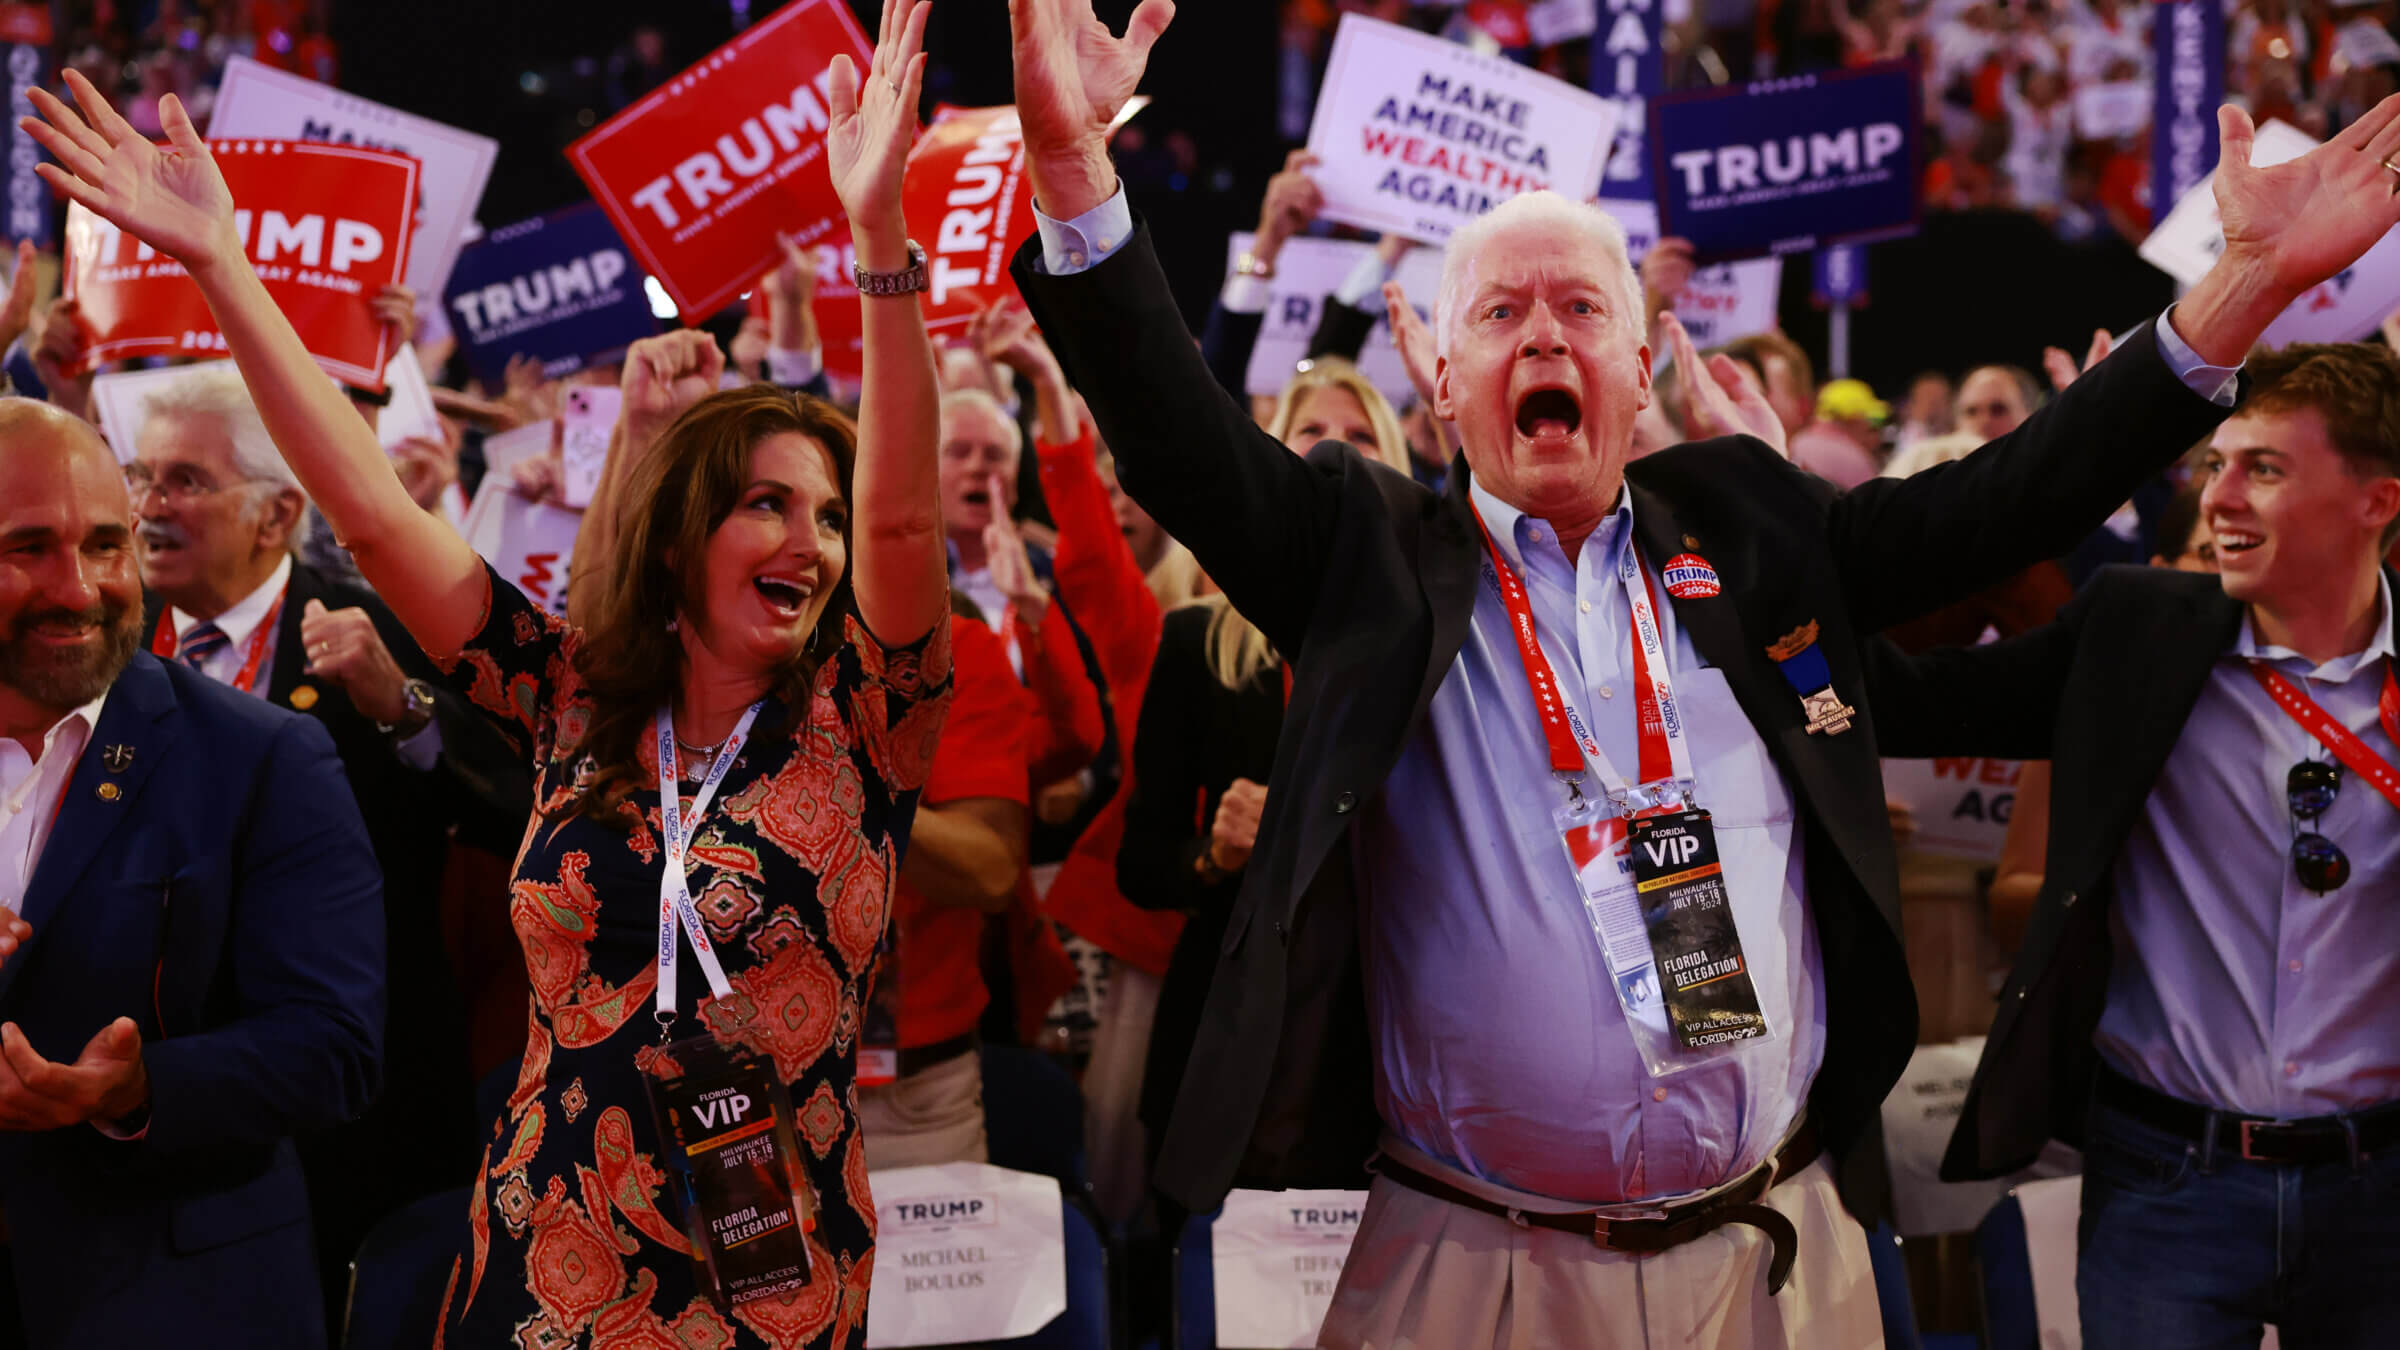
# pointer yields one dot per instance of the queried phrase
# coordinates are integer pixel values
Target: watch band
(907, 281)
(1248, 264)
(417, 696)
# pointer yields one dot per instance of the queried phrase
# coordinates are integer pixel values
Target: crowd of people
(1282, 766)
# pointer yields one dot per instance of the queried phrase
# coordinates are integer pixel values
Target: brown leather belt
(1672, 1225)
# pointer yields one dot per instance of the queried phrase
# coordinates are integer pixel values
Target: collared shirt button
(1075, 257)
(2291, 1069)
(1658, 1095)
(1586, 607)
(2295, 967)
(1608, 691)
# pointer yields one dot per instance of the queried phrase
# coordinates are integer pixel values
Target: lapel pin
(304, 697)
(1689, 577)
(1802, 662)
(117, 758)
(109, 792)
(1691, 541)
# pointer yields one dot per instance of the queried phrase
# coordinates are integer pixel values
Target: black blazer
(1367, 579)
(2102, 694)
(1194, 738)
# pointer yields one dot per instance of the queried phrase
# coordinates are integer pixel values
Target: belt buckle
(1603, 1224)
(2249, 1130)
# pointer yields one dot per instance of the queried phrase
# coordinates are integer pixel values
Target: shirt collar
(1514, 531)
(83, 721)
(2341, 667)
(238, 622)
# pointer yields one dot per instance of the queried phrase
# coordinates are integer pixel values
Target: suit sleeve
(1258, 517)
(306, 951)
(1907, 546)
(1341, 330)
(1164, 833)
(1999, 700)
(1226, 343)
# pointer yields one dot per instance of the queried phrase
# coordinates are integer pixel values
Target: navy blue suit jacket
(209, 876)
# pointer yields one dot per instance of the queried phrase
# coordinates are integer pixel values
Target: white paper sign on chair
(964, 1252)
(1277, 1256)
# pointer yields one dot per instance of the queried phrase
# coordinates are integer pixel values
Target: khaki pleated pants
(1424, 1274)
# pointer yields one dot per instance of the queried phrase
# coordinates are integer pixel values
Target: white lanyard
(674, 888)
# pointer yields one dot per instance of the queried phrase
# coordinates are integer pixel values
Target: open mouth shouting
(785, 594)
(1549, 413)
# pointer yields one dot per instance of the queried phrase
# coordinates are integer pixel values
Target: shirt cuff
(2217, 384)
(1365, 279)
(1245, 294)
(422, 747)
(1081, 244)
(794, 368)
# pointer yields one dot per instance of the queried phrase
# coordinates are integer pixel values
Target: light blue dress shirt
(2235, 986)
(1500, 1046)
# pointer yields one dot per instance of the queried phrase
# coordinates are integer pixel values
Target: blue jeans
(2181, 1250)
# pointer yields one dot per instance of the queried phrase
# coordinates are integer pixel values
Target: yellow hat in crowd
(1851, 400)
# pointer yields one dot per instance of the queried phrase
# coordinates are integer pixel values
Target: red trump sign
(700, 175)
(969, 205)
(327, 226)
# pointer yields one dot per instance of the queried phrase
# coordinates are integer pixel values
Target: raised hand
(170, 196)
(346, 651)
(62, 358)
(663, 376)
(1414, 339)
(873, 125)
(396, 308)
(2061, 368)
(16, 312)
(1012, 569)
(1292, 202)
(1666, 271)
(1720, 398)
(1233, 833)
(1073, 76)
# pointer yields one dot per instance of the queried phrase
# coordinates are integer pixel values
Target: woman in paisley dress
(757, 551)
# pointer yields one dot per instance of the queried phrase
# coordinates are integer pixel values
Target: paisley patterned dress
(571, 1241)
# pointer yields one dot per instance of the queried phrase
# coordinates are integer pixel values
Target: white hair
(218, 392)
(1553, 212)
(1944, 449)
(978, 398)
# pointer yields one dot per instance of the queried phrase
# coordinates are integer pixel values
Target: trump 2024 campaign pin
(1689, 577)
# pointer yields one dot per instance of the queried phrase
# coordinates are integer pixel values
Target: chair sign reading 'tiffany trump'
(1419, 136)
(1276, 1256)
(701, 174)
(327, 226)
(1788, 166)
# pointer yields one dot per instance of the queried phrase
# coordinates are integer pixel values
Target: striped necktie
(200, 644)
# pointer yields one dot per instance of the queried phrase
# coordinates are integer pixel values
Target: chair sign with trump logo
(965, 1252)
(1277, 1256)
(327, 226)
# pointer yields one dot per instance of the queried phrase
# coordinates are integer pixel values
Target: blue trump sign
(560, 288)
(1788, 166)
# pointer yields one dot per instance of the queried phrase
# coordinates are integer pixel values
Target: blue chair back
(1891, 1289)
(1033, 1116)
(1192, 1294)
(397, 1277)
(2009, 1322)
(1089, 1323)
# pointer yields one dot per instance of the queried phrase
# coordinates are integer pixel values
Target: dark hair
(2177, 521)
(2354, 386)
(673, 500)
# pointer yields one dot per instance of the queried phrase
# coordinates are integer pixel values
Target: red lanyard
(2341, 740)
(1558, 722)
(163, 643)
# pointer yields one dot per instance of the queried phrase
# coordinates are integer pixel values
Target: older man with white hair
(1575, 904)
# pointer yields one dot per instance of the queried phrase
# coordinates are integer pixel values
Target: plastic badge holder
(725, 1126)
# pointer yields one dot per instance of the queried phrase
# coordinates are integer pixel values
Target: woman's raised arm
(898, 569)
(172, 198)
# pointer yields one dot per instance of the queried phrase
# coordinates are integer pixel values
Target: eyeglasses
(2310, 788)
(180, 486)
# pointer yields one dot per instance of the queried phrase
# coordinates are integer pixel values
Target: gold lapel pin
(109, 792)
(304, 697)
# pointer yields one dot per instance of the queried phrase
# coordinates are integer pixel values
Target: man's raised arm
(1256, 515)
